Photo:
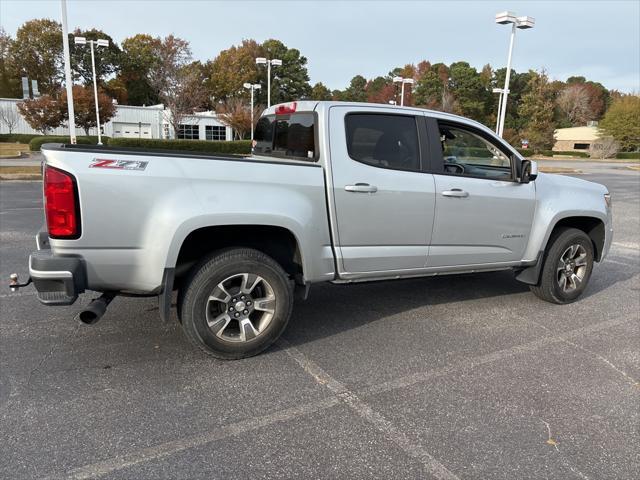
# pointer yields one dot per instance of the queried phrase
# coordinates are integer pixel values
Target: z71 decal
(118, 164)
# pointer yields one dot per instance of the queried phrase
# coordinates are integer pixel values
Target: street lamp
(505, 18)
(252, 87)
(276, 63)
(403, 81)
(500, 91)
(99, 43)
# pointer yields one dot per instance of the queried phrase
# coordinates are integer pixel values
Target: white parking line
(341, 395)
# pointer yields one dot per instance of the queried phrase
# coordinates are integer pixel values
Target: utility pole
(67, 73)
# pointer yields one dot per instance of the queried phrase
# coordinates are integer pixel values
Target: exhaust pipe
(95, 310)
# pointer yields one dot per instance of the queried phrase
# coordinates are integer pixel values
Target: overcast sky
(597, 39)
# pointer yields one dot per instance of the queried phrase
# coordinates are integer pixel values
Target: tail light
(61, 204)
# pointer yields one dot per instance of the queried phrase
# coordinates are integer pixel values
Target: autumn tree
(36, 53)
(536, 109)
(232, 68)
(107, 59)
(320, 92)
(43, 113)
(381, 90)
(236, 114)
(622, 122)
(178, 82)
(84, 107)
(573, 102)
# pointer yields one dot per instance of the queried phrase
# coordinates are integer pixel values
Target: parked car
(333, 192)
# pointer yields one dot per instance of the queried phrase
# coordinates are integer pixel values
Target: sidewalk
(32, 160)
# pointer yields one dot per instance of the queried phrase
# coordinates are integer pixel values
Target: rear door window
(381, 140)
(291, 136)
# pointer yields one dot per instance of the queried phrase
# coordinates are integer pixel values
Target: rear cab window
(286, 136)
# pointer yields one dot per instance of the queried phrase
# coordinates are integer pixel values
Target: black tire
(196, 307)
(549, 286)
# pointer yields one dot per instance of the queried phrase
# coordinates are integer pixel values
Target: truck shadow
(332, 309)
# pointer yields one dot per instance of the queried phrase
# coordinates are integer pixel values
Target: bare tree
(574, 101)
(605, 147)
(178, 82)
(236, 114)
(9, 116)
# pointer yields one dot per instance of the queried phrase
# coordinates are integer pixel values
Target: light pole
(403, 81)
(500, 91)
(252, 87)
(276, 63)
(505, 18)
(67, 73)
(99, 43)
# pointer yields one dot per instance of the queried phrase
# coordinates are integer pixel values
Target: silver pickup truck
(333, 192)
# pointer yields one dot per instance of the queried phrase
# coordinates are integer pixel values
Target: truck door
(383, 201)
(483, 214)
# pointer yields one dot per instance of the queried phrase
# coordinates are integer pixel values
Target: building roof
(588, 134)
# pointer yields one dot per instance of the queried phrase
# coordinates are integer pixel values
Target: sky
(599, 40)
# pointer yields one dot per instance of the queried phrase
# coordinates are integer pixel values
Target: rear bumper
(58, 280)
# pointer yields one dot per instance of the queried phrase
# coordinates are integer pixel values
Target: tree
(622, 122)
(356, 91)
(573, 101)
(320, 92)
(136, 61)
(291, 80)
(470, 93)
(84, 107)
(606, 147)
(37, 53)
(43, 113)
(232, 68)
(9, 117)
(381, 90)
(178, 82)
(9, 83)
(236, 114)
(107, 59)
(537, 110)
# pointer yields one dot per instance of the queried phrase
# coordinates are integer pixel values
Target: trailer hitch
(14, 282)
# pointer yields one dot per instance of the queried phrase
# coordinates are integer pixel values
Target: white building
(137, 122)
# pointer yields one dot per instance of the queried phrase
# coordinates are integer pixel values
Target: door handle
(361, 188)
(455, 192)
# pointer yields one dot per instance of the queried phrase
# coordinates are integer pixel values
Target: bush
(39, 140)
(242, 147)
(17, 137)
(568, 153)
(525, 152)
(628, 155)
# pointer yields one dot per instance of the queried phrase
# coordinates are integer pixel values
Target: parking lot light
(252, 87)
(523, 23)
(269, 62)
(403, 81)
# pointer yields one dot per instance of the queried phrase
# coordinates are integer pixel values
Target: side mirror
(529, 169)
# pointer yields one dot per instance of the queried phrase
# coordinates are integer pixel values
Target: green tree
(9, 82)
(472, 96)
(536, 109)
(137, 59)
(107, 59)
(290, 81)
(518, 84)
(356, 91)
(381, 90)
(622, 122)
(320, 92)
(428, 90)
(36, 53)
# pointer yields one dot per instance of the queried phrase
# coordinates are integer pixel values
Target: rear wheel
(567, 267)
(236, 304)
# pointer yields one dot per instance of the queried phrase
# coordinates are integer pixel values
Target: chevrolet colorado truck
(332, 192)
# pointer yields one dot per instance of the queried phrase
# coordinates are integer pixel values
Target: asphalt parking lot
(452, 377)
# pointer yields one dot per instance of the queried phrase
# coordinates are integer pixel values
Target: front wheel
(236, 304)
(567, 267)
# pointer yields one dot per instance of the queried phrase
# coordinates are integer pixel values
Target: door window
(385, 141)
(469, 154)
